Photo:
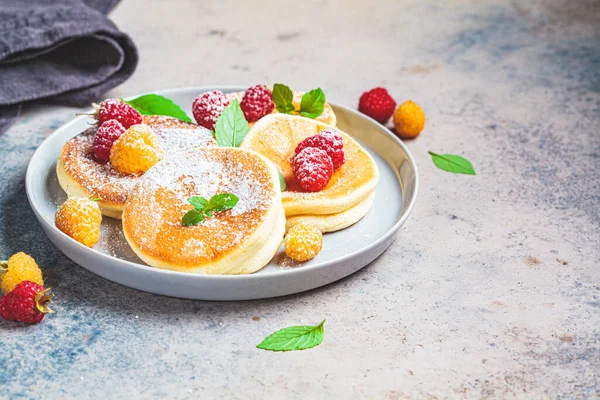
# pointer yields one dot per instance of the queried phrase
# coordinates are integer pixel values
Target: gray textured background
(491, 290)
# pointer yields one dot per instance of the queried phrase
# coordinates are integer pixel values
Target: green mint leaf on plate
(294, 338)
(452, 163)
(283, 98)
(282, 183)
(312, 103)
(153, 104)
(222, 202)
(231, 126)
(192, 217)
(199, 203)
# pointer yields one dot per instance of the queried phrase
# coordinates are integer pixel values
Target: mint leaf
(222, 202)
(198, 202)
(231, 126)
(153, 104)
(283, 98)
(312, 103)
(206, 208)
(452, 163)
(192, 217)
(282, 182)
(294, 338)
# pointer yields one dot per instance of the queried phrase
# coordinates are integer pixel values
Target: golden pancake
(327, 116)
(79, 174)
(276, 137)
(240, 240)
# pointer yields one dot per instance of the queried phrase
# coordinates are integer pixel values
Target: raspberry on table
(313, 168)
(136, 151)
(303, 242)
(80, 218)
(207, 107)
(257, 102)
(377, 104)
(105, 136)
(19, 267)
(27, 302)
(409, 120)
(328, 140)
(116, 109)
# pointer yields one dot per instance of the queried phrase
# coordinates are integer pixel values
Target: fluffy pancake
(240, 240)
(79, 174)
(327, 116)
(334, 222)
(276, 137)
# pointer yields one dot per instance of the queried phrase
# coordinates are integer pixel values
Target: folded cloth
(66, 51)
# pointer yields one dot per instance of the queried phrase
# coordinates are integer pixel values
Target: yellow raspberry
(80, 218)
(303, 242)
(20, 267)
(136, 150)
(409, 120)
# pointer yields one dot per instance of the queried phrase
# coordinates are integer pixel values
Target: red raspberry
(313, 168)
(257, 102)
(377, 104)
(106, 135)
(27, 302)
(116, 109)
(208, 106)
(328, 140)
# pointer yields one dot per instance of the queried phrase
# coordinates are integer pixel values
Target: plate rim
(255, 276)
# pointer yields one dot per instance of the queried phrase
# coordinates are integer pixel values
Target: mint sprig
(283, 97)
(206, 208)
(452, 163)
(311, 105)
(294, 338)
(154, 104)
(231, 126)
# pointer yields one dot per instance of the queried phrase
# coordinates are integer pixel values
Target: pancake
(334, 222)
(79, 174)
(327, 116)
(276, 137)
(240, 240)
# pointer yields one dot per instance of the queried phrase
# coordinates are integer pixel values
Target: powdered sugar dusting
(96, 178)
(174, 135)
(156, 206)
(313, 168)
(101, 180)
(208, 106)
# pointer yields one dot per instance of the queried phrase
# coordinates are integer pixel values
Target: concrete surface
(491, 290)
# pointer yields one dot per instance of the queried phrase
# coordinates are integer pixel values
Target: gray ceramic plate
(344, 252)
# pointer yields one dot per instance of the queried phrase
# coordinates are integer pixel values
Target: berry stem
(42, 299)
(3, 266)
(96, 109)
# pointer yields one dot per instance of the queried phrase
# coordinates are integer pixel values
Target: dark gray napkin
(66, 51)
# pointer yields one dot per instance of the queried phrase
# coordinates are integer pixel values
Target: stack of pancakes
(351, 190)
(80, 174)
(240, 240)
